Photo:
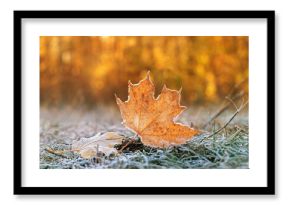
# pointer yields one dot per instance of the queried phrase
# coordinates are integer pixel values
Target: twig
(228, 122)
(224, 108)
(227, 105)
(234, 104)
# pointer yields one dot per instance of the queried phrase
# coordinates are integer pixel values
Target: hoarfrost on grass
(58, 129)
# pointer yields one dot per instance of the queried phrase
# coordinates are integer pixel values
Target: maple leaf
(90, 147)
(153, 119)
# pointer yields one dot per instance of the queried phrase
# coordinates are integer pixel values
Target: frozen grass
(225, 150)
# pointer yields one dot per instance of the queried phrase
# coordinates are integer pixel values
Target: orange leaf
(152, 119)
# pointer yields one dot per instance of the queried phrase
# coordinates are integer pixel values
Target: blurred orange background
(89, 70)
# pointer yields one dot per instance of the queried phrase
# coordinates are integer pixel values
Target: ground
(226, 149)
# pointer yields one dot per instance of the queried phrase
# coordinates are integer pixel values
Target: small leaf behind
(100, 143)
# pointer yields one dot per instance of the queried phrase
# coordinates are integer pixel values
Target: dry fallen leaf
(153, 119)
(104, 143)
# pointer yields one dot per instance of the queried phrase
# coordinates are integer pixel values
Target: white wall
(282, 89)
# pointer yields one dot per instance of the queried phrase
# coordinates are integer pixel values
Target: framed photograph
(144, 102)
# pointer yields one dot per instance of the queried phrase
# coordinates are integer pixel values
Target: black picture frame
(268, 190)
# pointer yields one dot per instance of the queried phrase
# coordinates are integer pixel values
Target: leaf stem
(128, 143)
(57, 153)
